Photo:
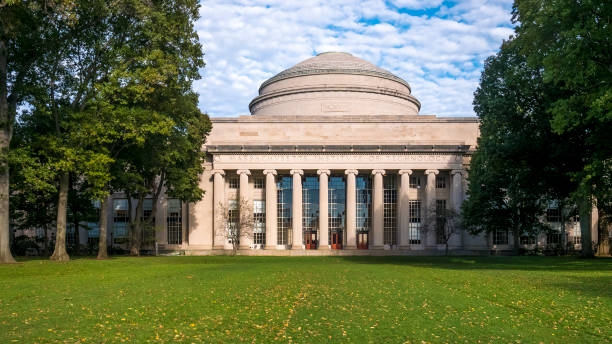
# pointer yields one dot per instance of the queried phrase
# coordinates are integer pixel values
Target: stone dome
(334, 83)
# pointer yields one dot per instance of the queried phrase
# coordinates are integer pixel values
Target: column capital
(432, 171)
(374, 172)
(300, 172)
(453, 172)
(408, 172)
(247, 172)
(347, 172)
(217, 171)
(273, 172)
(320, 172)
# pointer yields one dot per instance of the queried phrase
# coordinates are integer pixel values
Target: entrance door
(362, 240)
(310, 240)
(336, 240)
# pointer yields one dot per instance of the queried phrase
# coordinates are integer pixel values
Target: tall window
(259, 226)
(336, 208)
(414, 182)
(553, 238)
(500, 237)
(147, 209)
(284, 192)
(363, 186)
(414, 226)
(232, 216)
(93, 232)
(440, 182)
(70, 235)
(258, 183)
(310, 206)
(120, 221)
(553, 215)
(390, 210)
(576, 234)
(440, 221)
(233, 183)
(174, 219)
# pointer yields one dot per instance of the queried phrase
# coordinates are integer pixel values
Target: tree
(237, 216)
(570, 42)
(519, 164)
(24, 41)
(156, 78)
(445, 224)
(121, 80)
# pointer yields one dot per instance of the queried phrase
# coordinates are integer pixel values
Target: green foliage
(113, 105)
(571, 43)
(520, 164)
(309, 300)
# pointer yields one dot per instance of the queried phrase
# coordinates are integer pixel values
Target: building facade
(334, 159)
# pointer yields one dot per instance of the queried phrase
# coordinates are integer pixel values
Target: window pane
(174, 220)
(284, 192)
(390, 209)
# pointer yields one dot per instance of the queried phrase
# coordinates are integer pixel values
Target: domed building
(334, 159)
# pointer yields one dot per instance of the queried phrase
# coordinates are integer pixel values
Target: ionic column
(457, 196)
(430, 207)
(297, 208)
(218, 231)
(323, 209)
(404, 209)
(351, 209)
(271, 223)
(245, 204)
(378, 209)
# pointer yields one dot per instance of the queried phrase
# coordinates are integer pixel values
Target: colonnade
(376, 231)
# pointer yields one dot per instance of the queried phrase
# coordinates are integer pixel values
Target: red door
(310, 240)
(362, 240)
(336, 241)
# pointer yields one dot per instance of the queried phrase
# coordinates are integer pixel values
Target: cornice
(403, 119)
(305, 72)
(339, 149)
(362, 89)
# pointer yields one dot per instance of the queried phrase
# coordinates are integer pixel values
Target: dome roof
(334, 63)
(334, 83)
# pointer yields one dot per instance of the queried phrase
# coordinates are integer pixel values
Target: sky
(438, 47)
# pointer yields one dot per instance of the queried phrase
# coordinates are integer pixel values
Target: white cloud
(440, 54)
(416, 4)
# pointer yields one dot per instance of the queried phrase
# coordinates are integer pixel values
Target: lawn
(308, 300)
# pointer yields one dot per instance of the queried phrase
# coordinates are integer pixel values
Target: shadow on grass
(492, 263)
(522, 263)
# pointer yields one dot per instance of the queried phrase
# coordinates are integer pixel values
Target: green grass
(308, 299)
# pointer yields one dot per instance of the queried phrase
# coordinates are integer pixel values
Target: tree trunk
(586, 208)
(60, 254)
(137, 228)
(5, 138)
(5, 247)
(446, 249)
(102, 224)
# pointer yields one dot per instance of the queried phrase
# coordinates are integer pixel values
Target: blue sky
(437, 46)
